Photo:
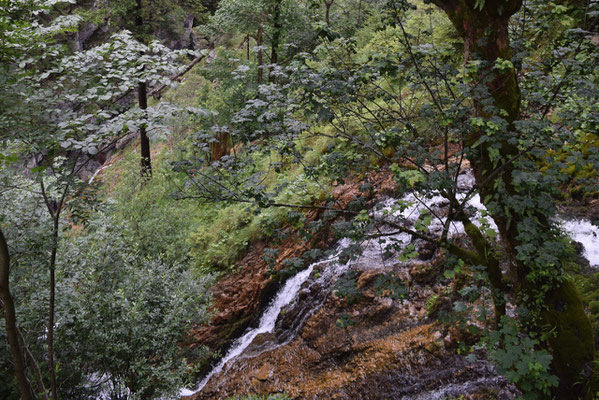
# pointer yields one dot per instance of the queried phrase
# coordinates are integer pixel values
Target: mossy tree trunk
(486, 38)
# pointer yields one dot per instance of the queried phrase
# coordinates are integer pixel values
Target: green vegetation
(282, 124)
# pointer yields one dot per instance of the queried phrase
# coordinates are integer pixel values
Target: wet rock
(383, 348)
(371, 362)
(261, 343)
(239, 297)
(424, 272)
(426, 250)
(579, 258)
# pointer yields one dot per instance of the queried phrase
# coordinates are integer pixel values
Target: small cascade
(267, 322)
(587, 234)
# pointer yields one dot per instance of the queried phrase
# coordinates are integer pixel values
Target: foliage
(389, 285)
(121, 314)
(140, 208)
(134, 312)
(407, 101)
(346, 288)
(247, 16)
(520, 360)
(59, 111)
(385, 85)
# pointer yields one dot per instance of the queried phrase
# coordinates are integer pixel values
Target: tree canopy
(283, 103)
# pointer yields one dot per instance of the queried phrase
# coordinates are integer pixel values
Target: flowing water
(267, 322)
(405, 211)
(585, 233)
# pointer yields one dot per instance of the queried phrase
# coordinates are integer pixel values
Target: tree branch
(157, 91)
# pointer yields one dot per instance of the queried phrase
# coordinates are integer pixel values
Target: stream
(406, 211)
(267, 322)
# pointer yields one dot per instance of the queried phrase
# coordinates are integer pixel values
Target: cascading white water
(371, 250)
(409, 212)
(267, 322)
(586, 233)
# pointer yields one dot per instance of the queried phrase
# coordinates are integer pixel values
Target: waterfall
(406, 210)
(586, 233)
(267, 322)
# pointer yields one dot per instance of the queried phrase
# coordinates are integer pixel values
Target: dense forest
(299, 199)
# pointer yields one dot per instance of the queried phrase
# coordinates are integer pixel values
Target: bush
(122, 316)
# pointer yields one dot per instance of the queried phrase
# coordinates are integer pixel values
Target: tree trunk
(8, 308)
(221, 147)
(51, 313)
(51, 307)
(54, 209)
(146, 161)
(142, 98)
(276, 38)
(259, 55)
(327, 5)
(247, 46)
(485, 35)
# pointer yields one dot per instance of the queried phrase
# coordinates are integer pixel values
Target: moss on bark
(571, 341)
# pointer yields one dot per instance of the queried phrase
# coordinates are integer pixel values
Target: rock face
(384, 344)
(387, 349)
(238, 298)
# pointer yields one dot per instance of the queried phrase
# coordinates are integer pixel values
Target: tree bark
(10, 318)
(146, 160)
(486, 37)
(259, 55)
(327, 11)
(276, 38)
(54, 209)
(142, 98)
(221, 147)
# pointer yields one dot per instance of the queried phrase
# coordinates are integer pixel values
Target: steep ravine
(239, 298)
(311, 344)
